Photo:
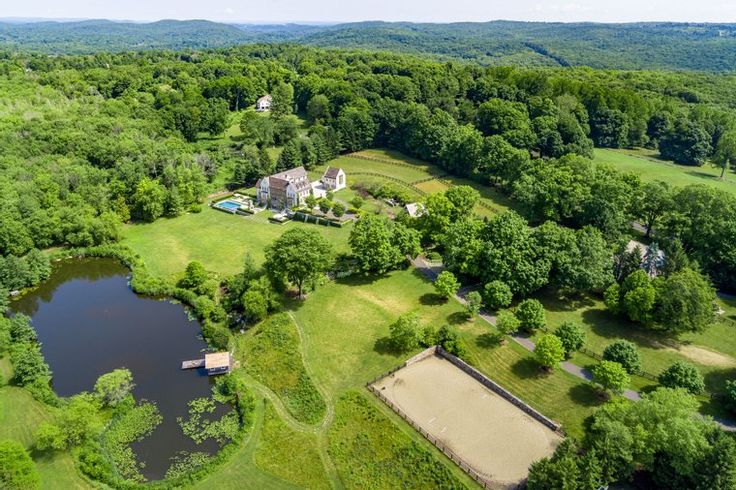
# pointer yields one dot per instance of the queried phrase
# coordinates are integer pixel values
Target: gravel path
(431, 271)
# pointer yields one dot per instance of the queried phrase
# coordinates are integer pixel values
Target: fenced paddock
(488, 432)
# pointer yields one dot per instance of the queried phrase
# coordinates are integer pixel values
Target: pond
(90, 322)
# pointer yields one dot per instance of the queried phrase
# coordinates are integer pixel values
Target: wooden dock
(193, 364)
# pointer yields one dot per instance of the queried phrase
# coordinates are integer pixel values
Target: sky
(389, 10)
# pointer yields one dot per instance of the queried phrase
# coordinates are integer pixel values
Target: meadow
(649, 167)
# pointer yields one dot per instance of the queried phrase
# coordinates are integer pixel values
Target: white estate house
(264, 103)
(289, 188)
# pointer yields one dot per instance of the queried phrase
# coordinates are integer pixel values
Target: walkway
(432, 270)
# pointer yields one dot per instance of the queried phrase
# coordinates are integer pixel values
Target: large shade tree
(300, 255)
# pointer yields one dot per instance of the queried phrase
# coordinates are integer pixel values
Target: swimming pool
(228, 205)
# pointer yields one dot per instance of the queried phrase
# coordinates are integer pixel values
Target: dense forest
(91, 142)
(674, 46)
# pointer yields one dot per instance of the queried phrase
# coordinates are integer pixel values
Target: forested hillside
(706, 47)
(87, 143)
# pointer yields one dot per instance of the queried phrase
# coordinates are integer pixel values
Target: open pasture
(493, 436)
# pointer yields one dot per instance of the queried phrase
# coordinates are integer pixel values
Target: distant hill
(104, 35)
(675, 46)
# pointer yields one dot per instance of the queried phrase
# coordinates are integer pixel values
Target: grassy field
(712, 351)
(347, 322)
(647, 165)
(20, 415)
(219, 240)
(290, 454)
(369, 451)
(270, 353)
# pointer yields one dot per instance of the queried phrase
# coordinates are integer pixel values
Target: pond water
(89, 322)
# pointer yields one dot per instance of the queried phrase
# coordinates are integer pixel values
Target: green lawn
(347, 325)
(712, 351)
(219, 240)
(20, 415)
(647, 165)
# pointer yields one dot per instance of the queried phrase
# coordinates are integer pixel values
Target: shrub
(473, 302)
(17, 470)
(497, 294)
(682, 375)
(194, 275)
(404, 332)
(730, 395)
(624, 353)
(611, 376)
(449, 339)
(572, 336)
(446, 284)
(338, 209)
(507, 323)
(549, 351)
(530, 313)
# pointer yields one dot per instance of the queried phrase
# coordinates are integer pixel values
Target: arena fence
(483, 480)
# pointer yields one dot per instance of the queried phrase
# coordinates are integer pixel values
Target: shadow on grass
(385, 346)
(359, 279)
(606, 325)
(715, 380)
(702, 175)
(487, 340)
(457, 318)
(431, 299)
(528, 368)
(585, 394)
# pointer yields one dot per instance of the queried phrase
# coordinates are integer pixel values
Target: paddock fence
(484, 480)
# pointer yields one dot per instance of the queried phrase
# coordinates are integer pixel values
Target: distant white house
(652, 258)
(415, 209)
(263, 104)
(334, 179)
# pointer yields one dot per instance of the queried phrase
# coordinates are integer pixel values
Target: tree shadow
(487, 340)
(527, 368)
(431, 299)
(385, 346)
(457, 318)
(359, 279)
(585, 394)
(605, 325)
(715, 380)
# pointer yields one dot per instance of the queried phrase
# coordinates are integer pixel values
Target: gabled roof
(217, 360)
(332, 172)
(265, 98)
(296, 176)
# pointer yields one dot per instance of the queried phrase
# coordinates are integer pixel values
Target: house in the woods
(334, 179)
(652, 258)
(415, 209)
(263, 104)
(218, 363)
(289, 188)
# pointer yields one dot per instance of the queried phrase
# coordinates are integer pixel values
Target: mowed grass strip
(649, 166)
(369, 451)
(557, 394)
(219, 240)
(270, 353)
(288, 454)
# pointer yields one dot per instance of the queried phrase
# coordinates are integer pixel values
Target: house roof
(296, 176)
(265, 98)
(217, 360)
(332, 172)
(415, 209)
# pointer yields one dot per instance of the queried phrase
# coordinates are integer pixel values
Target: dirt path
(323, 427)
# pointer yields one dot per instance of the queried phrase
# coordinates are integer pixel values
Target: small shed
(218, 363)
